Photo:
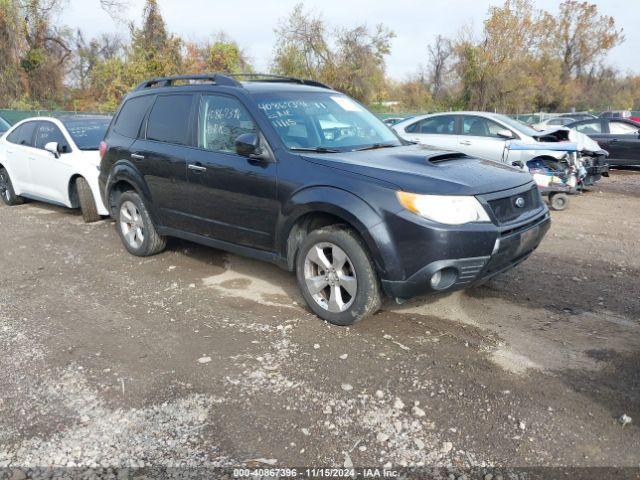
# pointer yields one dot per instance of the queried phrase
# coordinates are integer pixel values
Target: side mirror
(504, 133)
(248, 145)
(54, 148)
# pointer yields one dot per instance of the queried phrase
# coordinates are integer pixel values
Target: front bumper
(512, 248)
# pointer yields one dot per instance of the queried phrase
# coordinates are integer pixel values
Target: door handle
(615, 140)
(9, 151)
(465, 142)
(137, 156)
(197, 168)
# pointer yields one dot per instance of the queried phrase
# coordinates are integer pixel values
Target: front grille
(506, 210)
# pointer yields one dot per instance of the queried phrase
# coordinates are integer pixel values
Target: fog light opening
(444, 278)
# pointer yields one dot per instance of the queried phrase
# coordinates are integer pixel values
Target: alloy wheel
(131, 224)
(330, 277)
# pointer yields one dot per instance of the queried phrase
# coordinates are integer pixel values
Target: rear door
(18, 150)
(160, 156)
(50, 175)
(623, 142)
(479, 138)
(437, 131)
(232, 197)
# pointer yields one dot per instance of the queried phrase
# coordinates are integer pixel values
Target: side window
(48, 132)
(442, 125)
(131, 115)
(480, 127)
(589, 127)
(23, 135)
(14, 136)
(621, 128)
(169, 119)
(222, 120)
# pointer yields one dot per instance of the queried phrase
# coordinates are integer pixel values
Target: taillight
(103, 149)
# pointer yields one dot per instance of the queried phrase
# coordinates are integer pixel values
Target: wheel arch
(124, 178)
(309, 210)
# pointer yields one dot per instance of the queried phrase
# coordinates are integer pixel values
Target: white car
(54, 160)
(486, 136)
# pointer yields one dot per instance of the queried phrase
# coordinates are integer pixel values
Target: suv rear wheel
(336, 276)
(134, 225)
(7, 193)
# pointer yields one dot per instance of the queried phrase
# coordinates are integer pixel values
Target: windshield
(517, 125)
(4, 126)
(87, 133)
(324, 122)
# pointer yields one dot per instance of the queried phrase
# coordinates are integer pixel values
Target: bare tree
(438, 64)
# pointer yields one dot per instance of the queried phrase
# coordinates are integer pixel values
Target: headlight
(451, 210)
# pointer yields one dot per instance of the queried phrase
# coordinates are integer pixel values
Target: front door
(622, 141)
(50, 175)
(479, 138)
(232, 197)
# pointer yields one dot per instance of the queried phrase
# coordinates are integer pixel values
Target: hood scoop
(445, 157)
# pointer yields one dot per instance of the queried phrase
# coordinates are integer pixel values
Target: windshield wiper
(314, 149)
(376, 146)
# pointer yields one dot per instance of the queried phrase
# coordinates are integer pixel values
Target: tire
(87, 203)
(135, 227)
(7, 193)
(341, 295)
(558, 201)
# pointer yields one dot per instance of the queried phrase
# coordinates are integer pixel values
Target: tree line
(524, 59)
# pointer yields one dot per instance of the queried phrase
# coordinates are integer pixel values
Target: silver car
(479, 134)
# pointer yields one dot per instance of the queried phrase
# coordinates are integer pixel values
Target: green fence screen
(14, 116)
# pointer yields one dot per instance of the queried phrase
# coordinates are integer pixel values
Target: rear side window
(23, 135)
(442, 125)
(131, 115)
(169, 119)
(621, 128)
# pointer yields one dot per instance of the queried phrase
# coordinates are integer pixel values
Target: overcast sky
(415, 23)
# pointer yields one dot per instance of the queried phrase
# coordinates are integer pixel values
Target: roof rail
(267, 77)
(216, 78)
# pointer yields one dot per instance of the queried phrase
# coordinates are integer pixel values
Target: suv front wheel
(336, 275)
(135, 227)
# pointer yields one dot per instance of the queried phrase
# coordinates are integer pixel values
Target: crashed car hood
(418, 169)
(563, 134)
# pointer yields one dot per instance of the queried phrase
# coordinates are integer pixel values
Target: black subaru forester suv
(295, 173)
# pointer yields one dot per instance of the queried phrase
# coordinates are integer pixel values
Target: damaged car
(488, 135)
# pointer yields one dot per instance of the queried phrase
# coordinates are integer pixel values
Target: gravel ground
(200, 358)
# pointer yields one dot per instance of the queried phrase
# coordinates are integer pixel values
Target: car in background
(619, 136)
(54, 160)
(552, 122)
(577, 116)
(619, 114)
(487, 135)
(292, 172)
(391, 121)
(479, 134)
(4, 125)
